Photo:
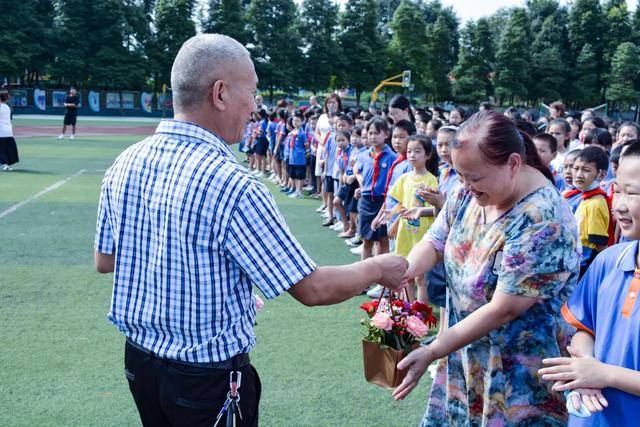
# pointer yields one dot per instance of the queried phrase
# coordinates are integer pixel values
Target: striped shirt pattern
(191, 231)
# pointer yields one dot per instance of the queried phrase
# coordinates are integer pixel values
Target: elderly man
(188, 232)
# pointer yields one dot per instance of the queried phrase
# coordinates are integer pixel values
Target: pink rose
(259, 303)
(416, 327)
(382, 321)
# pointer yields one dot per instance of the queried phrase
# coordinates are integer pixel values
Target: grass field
(61, 360)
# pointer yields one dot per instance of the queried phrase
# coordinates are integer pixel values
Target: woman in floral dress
(511, 251)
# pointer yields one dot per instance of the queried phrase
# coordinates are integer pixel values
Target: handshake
(390, 270)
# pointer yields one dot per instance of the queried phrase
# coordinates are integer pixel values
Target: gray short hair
(197, 66)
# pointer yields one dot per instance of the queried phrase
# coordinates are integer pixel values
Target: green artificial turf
(61, 360)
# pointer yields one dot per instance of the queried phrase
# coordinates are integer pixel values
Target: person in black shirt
(70, 117)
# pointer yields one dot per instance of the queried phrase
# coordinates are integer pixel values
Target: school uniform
(329, 156)
(341, 165)
(286, 154)
(298, 154)
(573, 196)
(593, 217)
(351, 203)
(262, 144)
(399, 167)
(605, 305)
(271, 134)
(374, 170)
(281, 132)
(558, 181)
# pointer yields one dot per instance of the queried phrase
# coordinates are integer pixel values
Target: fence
(92, 102)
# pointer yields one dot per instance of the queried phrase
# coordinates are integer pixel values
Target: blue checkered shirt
(191, 231)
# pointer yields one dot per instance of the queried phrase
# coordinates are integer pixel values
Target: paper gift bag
(381, 364)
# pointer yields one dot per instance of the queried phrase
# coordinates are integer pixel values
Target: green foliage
(408, 47)
(322, 58)
(624, 76)
(586, 72)
(513, 58)
(472, 74)
(587, 25)
(276, 44)
(618, 28)
(227, 17)
(363, 47)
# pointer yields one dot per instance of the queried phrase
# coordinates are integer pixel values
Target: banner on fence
(94, 101)
(40, 99)
(113, 100)
(146, 102)
(127, 100)
(165, 101)
(18, 98)
(58, 98)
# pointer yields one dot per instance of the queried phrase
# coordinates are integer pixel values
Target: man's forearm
(334, 284)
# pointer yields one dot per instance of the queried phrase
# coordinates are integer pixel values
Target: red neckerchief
(326, 137)
(376, 169)
(395, 163)
(292, 143)
(612, 226)
(570, 193)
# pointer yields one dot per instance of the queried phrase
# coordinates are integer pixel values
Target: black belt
(238, 361)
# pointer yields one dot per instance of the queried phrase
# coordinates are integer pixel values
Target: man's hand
(391, 270)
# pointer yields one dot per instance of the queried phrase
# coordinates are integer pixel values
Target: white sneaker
(72, 136)
(293, 195)
(375, 292)
(308, 188)
(357, 250)
(338, 226)
(324, 215)
(61, 137)
(6, 167)
(321, 209)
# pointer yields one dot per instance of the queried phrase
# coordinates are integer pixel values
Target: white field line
(50, 188)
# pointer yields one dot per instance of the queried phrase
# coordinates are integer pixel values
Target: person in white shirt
(8, 147)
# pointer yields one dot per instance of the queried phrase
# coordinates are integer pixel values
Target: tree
(26, 38)
(386, 11)
(408, 46)
(227, 17)
(512, 78)
(174, 26)
(539, 11)
(587, 26)
(440, 58)
(472, 73)
(586, 81)
(276, 43)
(318, 25)
(618, 28)
(624, 76)
(551, 58)
(363, 47)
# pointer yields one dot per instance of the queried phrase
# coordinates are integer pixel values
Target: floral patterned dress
(532, 250)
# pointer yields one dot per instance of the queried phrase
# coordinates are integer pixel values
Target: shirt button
(632, 294)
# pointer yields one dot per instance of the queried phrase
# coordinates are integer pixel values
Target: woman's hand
(415, 364)
(579, 371)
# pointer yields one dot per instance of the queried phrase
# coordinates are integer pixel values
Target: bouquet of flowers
(394, 328)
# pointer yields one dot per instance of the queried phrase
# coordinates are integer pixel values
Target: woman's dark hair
(333, 96)
(4, 95)
(597, 122)
(600, 137)
(401, 102)
(498, 138)
(432, 155)
(596, 156)
(409, 127)
(526, 127)
(549, 139)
